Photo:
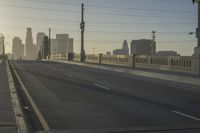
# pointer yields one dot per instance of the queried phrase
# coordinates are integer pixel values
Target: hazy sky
(108, 22)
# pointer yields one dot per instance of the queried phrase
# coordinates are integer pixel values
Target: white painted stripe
(102, 86)
(188, 116)
(1, 61)
(68, 74)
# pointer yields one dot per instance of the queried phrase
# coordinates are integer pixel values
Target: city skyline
(62, 44)
(106, 28)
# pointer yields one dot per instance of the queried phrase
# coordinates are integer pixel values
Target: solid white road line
(185, 115)
(98, 85)
(1, 61)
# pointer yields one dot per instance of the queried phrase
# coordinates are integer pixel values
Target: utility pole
(198, 28)
(3, 47)
(82, 26)
(49, 47)
(197, 49)
(3, 44)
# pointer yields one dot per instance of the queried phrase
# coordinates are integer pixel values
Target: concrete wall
(187, 64)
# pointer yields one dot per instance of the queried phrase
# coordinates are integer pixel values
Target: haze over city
(108, 22)
(99, 66)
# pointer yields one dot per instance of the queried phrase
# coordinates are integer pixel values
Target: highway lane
(80, 98)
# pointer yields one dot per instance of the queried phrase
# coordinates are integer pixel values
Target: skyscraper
(123, 51)
(141, 47)
(29, 45)
(45, 47)
(40, 39)
(54, 46)
(17, 48)
(62, 44)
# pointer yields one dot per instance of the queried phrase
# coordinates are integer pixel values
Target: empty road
(82, 99)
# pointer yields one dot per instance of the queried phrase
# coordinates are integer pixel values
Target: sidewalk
(7, 116)
(145, 72)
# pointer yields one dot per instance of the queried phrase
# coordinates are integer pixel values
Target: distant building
(1, 45)
(35, 51)
(17, 49)
(62, 44)
(167, 53)
(71, 45)
(108, 53)
(40, 39)
(45, 47)
(30, 53)
(54, 46)
(123, 51)
(143, 47)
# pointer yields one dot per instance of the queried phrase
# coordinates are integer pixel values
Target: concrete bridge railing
(187, 64)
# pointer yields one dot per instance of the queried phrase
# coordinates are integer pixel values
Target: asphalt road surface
(82, 99)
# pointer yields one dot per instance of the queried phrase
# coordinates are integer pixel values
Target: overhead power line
(140, 9)
(139, 15)
(110, 7)
(39, 8)
(104, 32)
(96, 22)
(102, 13)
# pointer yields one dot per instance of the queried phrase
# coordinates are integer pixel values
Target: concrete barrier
(19, 116)
(186, 64)
(162, 76)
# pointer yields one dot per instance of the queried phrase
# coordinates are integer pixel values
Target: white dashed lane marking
(68, 74)
(101, 86)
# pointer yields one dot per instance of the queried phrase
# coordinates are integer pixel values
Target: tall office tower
(54, 46)
(45, 47)
(141, 47)
(29, 45)
(64, 44)
(17, 48)
(40, 39)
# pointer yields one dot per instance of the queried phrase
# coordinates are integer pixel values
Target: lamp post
(82, 26)
(3, 44)
(197, 49)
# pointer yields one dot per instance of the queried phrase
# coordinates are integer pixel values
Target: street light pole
(82, 26)
(198, 24)
(3, 44)
(3, 47)
(197, 49)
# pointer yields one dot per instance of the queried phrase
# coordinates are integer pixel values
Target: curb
(34, 106)
(19, 117)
